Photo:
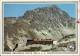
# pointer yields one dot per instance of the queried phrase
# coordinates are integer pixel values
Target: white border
(45, 53)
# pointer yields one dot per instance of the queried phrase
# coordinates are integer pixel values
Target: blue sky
(15, 10)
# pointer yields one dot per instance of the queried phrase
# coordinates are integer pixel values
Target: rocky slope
(41, 23)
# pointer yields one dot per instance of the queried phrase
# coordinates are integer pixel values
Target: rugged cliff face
(41, 23)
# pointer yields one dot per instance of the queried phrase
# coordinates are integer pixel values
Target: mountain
(41, 23)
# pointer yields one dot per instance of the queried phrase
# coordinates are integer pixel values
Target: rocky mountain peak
(41, 23)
